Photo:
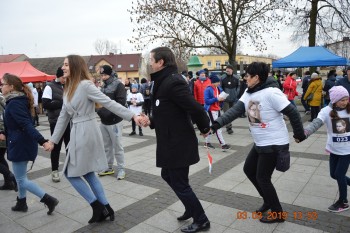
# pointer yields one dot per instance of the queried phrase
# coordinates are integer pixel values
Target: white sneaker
(55, 176)
(121, 174)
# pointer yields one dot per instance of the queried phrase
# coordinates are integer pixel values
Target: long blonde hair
(18, 86)
(78, 72)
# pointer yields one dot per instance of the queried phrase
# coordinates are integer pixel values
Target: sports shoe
(225, 147)
(209, 146)
(109, 171)
(55, 176)
(307, 112)
(121, 174)
(132, 133)
(339, 206)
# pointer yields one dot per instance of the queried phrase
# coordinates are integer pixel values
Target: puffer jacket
(290, 88)
(316, 88)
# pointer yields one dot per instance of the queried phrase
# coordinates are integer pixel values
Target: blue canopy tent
(310, 56)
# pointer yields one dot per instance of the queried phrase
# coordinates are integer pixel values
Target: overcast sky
(53, 28)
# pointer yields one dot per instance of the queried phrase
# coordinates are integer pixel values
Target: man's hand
(2, 137)
(146, 120)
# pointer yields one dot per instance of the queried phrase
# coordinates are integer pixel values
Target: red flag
(210, 160)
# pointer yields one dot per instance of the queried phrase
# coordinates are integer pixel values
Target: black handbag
(283, 161)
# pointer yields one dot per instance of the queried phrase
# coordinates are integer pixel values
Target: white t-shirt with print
(265, 118)
(139, 98)
(338, 131)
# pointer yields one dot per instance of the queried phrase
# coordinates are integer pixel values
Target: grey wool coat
(85, 150)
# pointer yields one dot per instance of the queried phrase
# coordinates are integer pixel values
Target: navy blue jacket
(21, 136)
(344, 82)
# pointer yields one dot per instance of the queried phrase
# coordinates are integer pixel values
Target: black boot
(110, 214)
(98, 210)
(9, 183)
(21, 205)
(50, 202)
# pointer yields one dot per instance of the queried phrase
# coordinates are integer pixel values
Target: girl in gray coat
(85, 150)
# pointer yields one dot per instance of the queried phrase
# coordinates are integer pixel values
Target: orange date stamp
(295, 215)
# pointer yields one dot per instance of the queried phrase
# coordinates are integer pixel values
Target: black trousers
(55, 153)
(178, 180)
(259, 168)
(147, 106)
(133, 125)
(4, 167)
(314, 112)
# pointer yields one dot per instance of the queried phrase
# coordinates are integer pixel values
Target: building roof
(10, 57)
(119, 62)
(49, 65)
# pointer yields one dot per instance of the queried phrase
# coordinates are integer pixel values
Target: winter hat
(106, 69)
(59, 72)
(135, 85)
(214, 78)
(336, 93)
(201, 71)
(314, 75)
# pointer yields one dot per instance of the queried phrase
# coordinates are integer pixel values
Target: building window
(209, 63)
(119, 66)
(131, 65)
(217, 65)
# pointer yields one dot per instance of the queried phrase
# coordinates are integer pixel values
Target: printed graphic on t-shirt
(254, 113)
(341, 131)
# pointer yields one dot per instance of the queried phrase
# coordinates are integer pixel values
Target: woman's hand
(48, 146)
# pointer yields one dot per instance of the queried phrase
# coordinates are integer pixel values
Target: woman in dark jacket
(22, 140)
(9, 179)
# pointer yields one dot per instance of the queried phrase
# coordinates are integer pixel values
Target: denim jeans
(92, 193)
(338, 166)
(304, 103)
(292, 102)
(20, 172)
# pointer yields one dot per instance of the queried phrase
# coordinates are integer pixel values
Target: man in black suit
(177, 144)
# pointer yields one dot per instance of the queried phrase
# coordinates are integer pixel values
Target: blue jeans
(92, 193)
(338, 166)
(292, 102)
(20, 172)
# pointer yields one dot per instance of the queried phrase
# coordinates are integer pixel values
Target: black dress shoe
(184, 217)
(268, 219)
(263, 208)
(195, 227)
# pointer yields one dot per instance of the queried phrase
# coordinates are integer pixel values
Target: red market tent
(25, 71)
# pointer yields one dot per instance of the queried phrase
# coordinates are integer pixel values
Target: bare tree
(104, 47)
(320, 21)
(215, 24)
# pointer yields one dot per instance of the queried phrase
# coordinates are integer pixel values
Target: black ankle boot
(50, 202)
(110, 214)
(98, 211)
(9, 183)
(21, 205)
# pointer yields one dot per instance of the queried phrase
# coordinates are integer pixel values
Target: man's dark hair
(164, 53)
(258, 68)
(307, 72)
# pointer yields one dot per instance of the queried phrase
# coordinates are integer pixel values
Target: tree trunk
(312, 29)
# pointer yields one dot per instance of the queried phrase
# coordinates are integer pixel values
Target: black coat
(173, 107)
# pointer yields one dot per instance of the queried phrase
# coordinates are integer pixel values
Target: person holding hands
(86, 153)
(22, 140)
(336, 118)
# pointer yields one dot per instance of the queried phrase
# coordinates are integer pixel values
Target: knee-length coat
(85, 150)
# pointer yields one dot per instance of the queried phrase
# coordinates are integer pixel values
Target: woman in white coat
(85, 150)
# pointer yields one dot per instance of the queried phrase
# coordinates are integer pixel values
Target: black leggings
(4, 167)
(259, 169)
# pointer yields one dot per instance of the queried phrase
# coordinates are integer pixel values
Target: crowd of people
(174, 105)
